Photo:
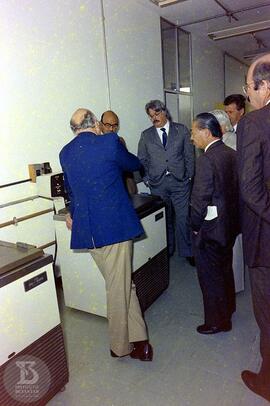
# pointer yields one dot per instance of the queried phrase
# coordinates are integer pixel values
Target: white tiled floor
(188, 369)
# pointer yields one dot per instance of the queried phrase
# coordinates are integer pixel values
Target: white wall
(53, 60)
(208, 75)
(52, 63)
(135, 65)
(235, 74)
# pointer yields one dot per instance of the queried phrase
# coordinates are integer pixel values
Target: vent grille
(152, 279)
(51, 351)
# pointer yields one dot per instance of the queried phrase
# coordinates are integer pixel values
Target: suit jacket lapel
(172, 134)
(155, 137)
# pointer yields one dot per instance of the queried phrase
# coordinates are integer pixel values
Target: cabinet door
(26, 316)
(154, 240)
(83, 284)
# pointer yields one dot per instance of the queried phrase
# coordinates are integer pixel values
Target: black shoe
(255, 384)
(205, 329)
(191, 261)
(117, 356)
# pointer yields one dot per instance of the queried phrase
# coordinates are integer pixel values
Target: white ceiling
(186, 14)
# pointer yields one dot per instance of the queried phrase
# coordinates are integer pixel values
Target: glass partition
(169, 53)
(176, 57)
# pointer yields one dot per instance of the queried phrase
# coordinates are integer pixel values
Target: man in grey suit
(167, 156)
(253, 148)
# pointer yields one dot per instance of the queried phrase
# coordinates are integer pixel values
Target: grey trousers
(176, 195)
(126, 323)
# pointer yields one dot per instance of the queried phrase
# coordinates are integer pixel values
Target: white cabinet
(25, 316)
(83, 284)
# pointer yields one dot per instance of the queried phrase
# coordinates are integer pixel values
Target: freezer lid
(15, 255)
(146, 204)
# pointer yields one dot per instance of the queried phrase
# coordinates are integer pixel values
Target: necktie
(164, 137)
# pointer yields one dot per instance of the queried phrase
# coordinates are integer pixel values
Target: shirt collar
(207, 146)
(166, 126)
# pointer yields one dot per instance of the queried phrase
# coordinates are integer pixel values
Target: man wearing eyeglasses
(109, 122)
(253, 149)
(167, 155)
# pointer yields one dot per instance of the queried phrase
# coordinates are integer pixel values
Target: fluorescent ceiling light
(256, 52)
(241, 30)
(164, 3)
(185, 89)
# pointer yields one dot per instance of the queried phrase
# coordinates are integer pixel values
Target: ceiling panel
(187, 15)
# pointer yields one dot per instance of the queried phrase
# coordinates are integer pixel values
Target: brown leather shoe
(255, 383)
(142, 350)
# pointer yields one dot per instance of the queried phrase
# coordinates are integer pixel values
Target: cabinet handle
(16, 220)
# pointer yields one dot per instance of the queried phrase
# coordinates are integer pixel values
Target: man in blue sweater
(103, 220)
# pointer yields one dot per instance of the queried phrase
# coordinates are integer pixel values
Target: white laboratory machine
(33, 365)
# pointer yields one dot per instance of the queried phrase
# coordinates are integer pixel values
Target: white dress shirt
(166, 126)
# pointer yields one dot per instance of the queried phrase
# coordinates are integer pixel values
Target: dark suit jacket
(253, 151)
(216, 184)
(101, 210)
(177, 157)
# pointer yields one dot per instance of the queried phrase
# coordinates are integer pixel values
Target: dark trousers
(176, 195)
(215, 274)
(260, 290)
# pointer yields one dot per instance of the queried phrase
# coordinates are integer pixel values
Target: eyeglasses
(156, 114)
(246, 87)
(111, 126)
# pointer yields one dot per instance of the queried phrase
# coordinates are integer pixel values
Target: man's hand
(121, 139)
(68, 221)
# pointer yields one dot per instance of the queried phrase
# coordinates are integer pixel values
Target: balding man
(104, 221)
(110, 123)
(253, 147)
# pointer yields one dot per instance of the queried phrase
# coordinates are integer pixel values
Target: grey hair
(157, 106)
(223, 119)
(89, 121)
(261, 72)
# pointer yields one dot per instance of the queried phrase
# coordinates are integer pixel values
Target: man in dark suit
(167, 156)
(214, 221)
(253, 147)
(104, 221)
